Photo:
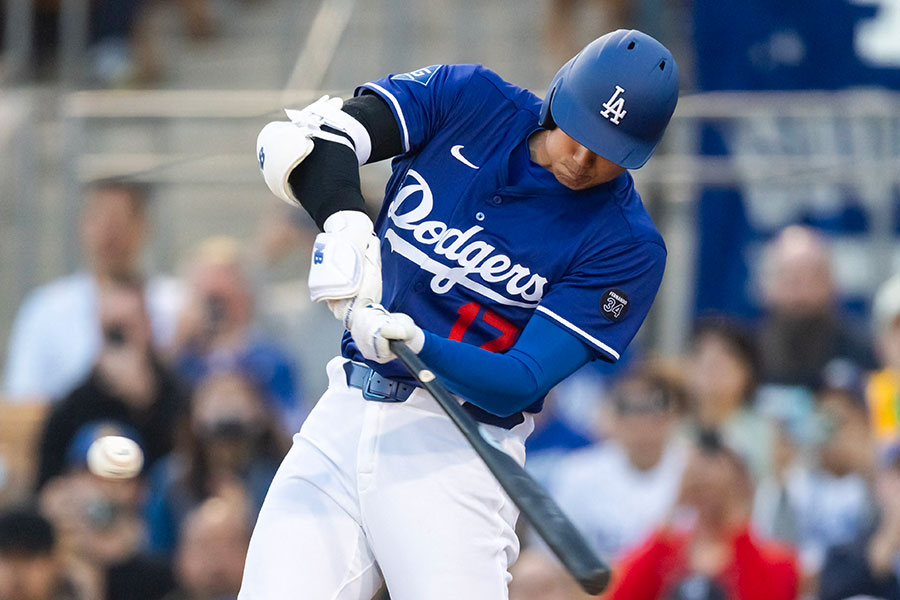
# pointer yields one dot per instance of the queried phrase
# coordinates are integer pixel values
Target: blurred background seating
(126, 139)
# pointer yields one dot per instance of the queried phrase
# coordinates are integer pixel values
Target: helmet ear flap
(546, 117)
(548, 122)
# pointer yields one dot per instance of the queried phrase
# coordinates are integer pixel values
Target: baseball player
(511, 249)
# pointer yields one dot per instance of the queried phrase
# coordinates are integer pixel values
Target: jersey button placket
(496, 200)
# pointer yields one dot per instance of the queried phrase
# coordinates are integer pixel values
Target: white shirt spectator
(823, 510)
(614, 504)
(56, 336)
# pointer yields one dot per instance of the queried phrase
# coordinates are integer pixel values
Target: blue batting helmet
(615, 97)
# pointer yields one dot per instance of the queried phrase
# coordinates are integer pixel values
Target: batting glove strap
(336, 270)
(326, 112)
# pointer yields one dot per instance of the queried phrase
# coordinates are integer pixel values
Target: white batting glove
(369, 289)
(374, 328)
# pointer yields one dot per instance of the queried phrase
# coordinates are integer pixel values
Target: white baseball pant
(383, 491)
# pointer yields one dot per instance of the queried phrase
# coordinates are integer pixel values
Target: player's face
(572, 164)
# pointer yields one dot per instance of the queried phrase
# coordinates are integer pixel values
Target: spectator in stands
(128, 384)
(111, 54)
(870, 565)
(30, 568)
(825, 501)
(722, 372)
(122, 49)
(802, 329)
(109, 26)
(217, 329)
(234, 447)
(706, 549)
(101, 533)
(538, 576)
(552, 440)
(145, 41)
(883, 388)
(574, 414)
(212, 548)
(56, 337)
(620, 490)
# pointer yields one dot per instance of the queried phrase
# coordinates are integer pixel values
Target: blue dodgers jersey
(470, 256)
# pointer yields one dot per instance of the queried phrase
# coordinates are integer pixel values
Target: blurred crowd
(762, 462)
(122, 46)
(191, 368)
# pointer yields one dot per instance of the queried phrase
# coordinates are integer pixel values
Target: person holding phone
(54, 341)
(218, 329)
(707, 550)
(128, 383)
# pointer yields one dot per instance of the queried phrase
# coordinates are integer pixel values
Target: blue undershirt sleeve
(503, 384)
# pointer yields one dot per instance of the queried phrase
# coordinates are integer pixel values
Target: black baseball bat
(533, 501)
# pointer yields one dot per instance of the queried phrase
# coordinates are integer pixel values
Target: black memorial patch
(614, 304)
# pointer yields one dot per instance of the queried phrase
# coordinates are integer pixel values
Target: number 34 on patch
(614, 304)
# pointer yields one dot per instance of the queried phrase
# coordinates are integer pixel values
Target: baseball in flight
(115, 457)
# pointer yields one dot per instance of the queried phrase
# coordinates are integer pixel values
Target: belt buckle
(370, 394)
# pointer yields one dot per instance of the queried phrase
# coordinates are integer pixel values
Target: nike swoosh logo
(454, 151)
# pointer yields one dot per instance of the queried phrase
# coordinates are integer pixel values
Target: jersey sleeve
(503, 384)
(605, 299)
(422, 100)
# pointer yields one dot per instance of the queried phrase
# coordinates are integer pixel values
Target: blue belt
(378, 388)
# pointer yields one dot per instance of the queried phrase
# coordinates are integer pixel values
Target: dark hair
(134, 285)
(138, 193)
(739, 340)
(25, 533)
(711, 443)
(197, 476)
(844, 377)
(669, 392)
(133, 282)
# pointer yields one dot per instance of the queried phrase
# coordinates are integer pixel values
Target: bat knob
(595, 582)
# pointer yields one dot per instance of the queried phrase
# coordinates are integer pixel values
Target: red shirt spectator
(756, 569)
(706, 550)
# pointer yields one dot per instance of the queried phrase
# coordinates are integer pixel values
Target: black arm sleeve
(327, 180)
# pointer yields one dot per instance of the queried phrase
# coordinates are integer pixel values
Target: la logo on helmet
(614, 108)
